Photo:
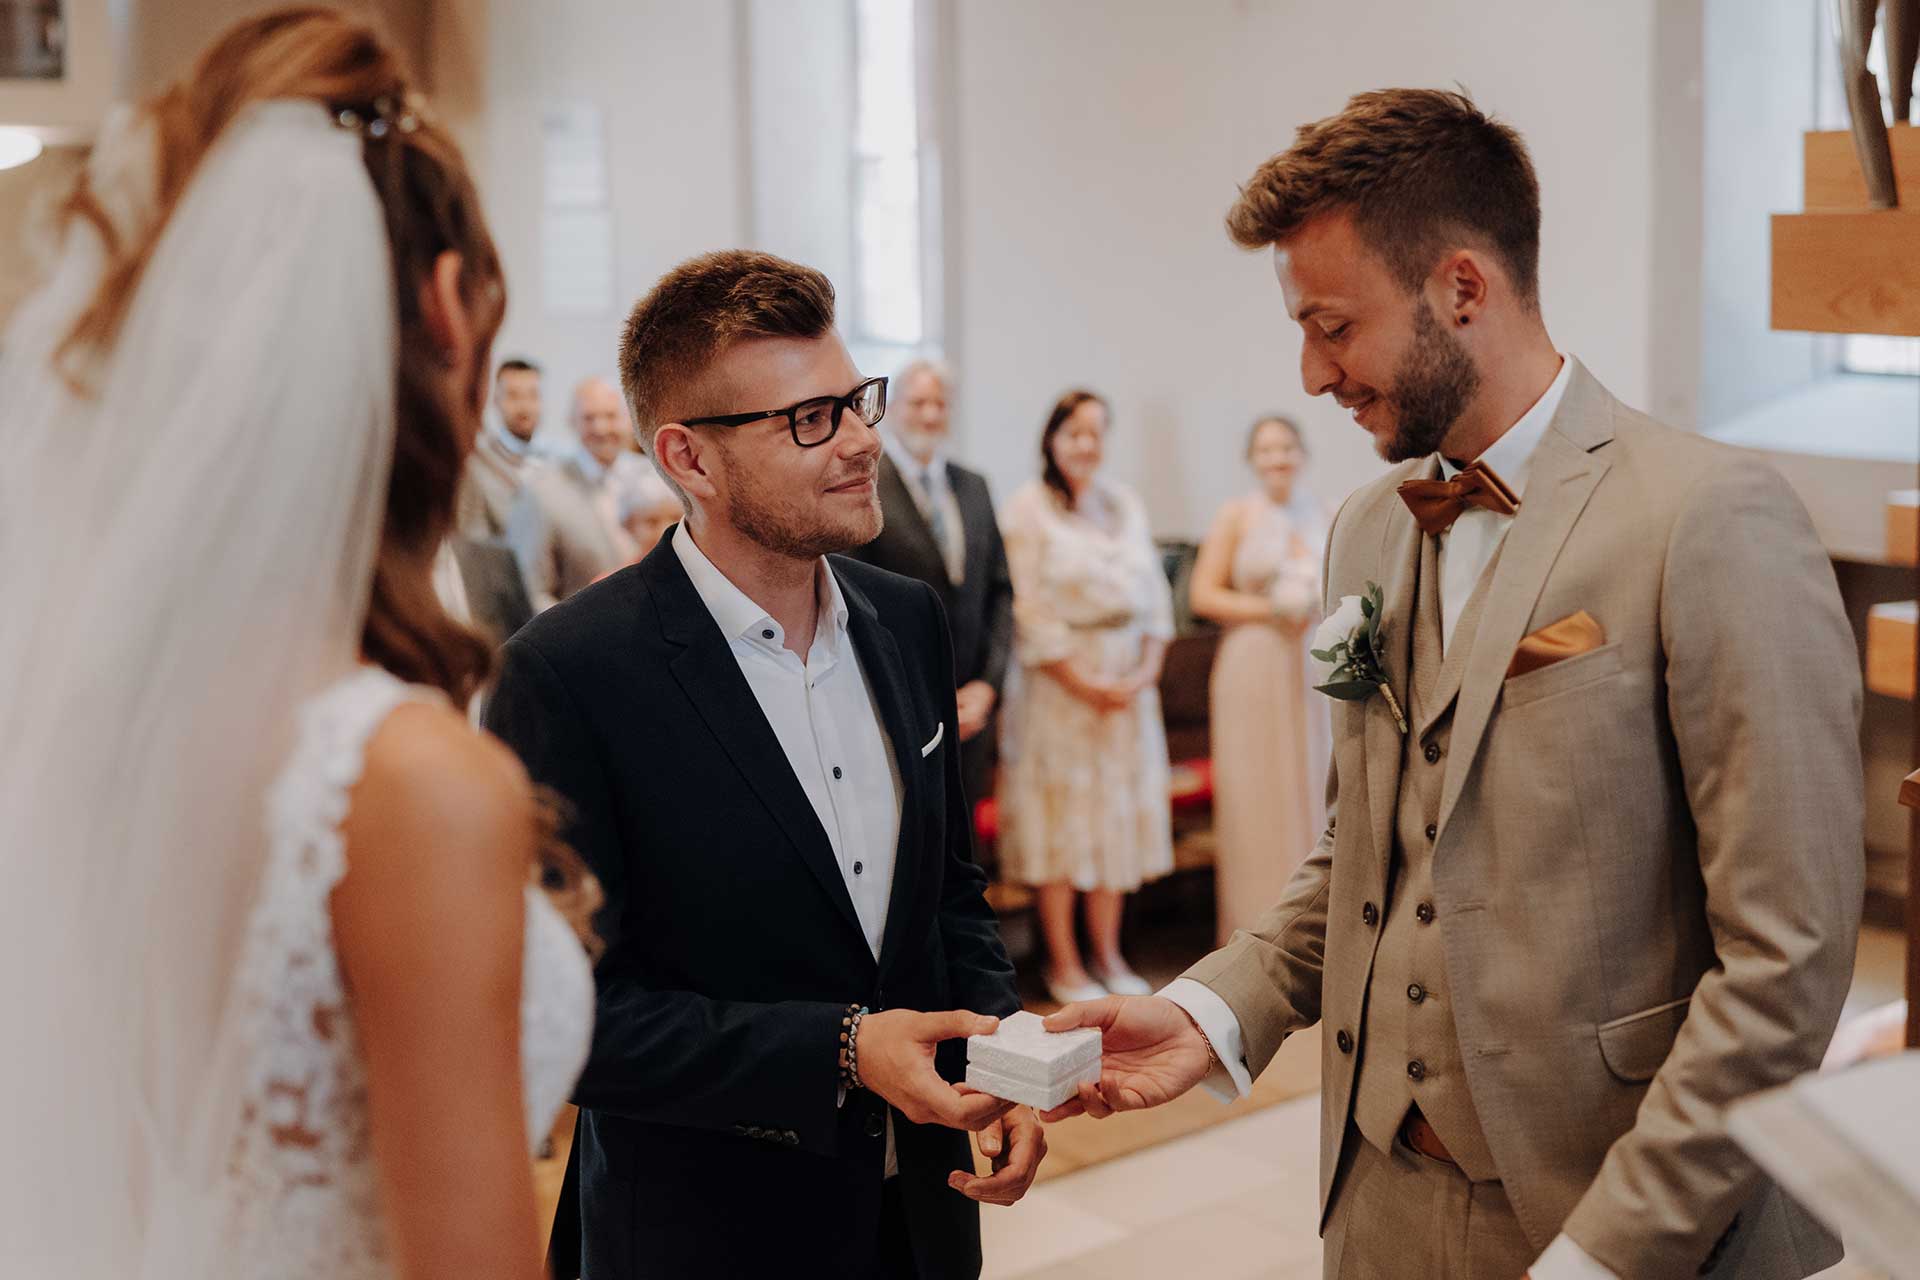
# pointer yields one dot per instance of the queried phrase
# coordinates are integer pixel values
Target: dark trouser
(895, 1254)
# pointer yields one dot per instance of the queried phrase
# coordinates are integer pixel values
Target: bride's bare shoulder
(437, 795)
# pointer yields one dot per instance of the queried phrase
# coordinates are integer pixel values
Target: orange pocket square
(1556, 642)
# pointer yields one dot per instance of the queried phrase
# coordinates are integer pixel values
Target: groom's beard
(1436, 381)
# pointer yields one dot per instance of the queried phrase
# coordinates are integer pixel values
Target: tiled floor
(1235, 1200)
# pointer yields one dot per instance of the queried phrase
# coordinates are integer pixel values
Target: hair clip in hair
(387, 117)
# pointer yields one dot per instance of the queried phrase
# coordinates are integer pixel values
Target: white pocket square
(938, 734)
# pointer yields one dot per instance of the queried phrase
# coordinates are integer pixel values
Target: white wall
(1099, 143)
(665, 75)
(1760, 59)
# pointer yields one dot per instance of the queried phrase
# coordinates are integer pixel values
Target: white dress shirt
(1464, 552)
(822, 712)
(931, 487)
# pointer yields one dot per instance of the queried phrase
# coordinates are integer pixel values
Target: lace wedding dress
(301, 1184)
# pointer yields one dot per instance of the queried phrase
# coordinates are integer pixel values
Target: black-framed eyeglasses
(814, 422)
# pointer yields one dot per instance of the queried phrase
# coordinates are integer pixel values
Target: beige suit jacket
(1649, 864)
(560, 534)
(488, 488)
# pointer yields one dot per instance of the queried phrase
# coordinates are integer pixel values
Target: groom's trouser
(1408, 1216)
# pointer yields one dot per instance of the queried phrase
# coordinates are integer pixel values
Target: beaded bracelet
(850, 1045)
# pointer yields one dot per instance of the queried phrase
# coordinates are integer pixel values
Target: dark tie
(1436, 504)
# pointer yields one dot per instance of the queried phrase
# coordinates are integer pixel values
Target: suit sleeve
(1269, 976)
(530, 534)
(978, 970)
(666, 1057)
(999, 631)
(1763, 694)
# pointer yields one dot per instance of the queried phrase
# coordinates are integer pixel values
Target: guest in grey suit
(940, 528)
(498, 463)
(565, 527)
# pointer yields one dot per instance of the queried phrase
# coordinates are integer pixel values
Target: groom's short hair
(698, 310)
(1421, 171)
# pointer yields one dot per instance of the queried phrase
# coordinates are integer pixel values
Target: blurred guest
(565, 526)
(1258, 576)
(648, 505)
(940, 529)
(499, 460)
(1083, 780)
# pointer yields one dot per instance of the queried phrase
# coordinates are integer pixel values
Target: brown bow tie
(1436, 504)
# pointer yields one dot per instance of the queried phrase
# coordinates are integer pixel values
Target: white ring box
(1023, 1062)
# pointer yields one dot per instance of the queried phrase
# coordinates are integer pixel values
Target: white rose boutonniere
(1346, 651)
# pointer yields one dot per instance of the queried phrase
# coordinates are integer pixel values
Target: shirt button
(766, 635)
(1432, 753)
(836, 773)
(1432, 831)
(876, 1124)
(1424, 913)
(1369, 915)
(1416, 992)
(1344, 1041)
(1416, 1070)
(858, 867)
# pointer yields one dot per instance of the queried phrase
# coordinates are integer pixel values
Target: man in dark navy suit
(758, 745)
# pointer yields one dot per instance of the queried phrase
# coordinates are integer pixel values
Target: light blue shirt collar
(512, 443)
(910, 466)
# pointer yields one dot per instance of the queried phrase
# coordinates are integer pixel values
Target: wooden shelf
(1891, 632)
(1848, 272)
(1832, 173)
(1903, 527)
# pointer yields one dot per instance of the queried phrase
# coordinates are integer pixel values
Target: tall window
(1860, 352)
(895, 221)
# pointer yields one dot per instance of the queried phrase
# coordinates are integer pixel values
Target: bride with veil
(282, 994)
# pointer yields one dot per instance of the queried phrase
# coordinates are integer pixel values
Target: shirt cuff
(1217, 1023)
(1565, 1260)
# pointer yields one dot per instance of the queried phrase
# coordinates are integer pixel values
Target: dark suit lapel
(896, 497)
(887, 677)
(976, 514)
(710, 676)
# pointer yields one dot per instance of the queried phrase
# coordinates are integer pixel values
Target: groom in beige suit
(1607, 879)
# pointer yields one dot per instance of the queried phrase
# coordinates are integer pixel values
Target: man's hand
(896, 1061)
(976, 699)
(1151, 1054)
(1015, 1145)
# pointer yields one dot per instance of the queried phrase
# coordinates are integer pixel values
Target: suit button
(1416, 1070)
(1370, 915)
(1416, 992)
(1432, 831)
(876, 1124)
(1424, 913)
(1432, 753)
(1344, 1041)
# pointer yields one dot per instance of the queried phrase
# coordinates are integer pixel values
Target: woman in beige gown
(1258, 576)
(1083, 750)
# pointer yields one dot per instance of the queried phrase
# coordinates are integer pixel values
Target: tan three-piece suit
(1579, 910)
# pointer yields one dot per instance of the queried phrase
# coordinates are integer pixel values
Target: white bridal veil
(185, 556)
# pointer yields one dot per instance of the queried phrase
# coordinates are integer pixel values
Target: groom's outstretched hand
(1151, 1053)
(896, 1061)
